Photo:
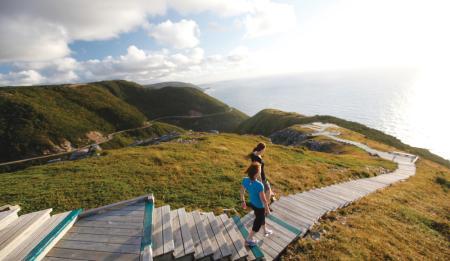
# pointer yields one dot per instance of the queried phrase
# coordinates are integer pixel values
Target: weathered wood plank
(90, 255)
(236, 237)
(215, 246)
(107, 231)
(226, 235)
(167, 230)
(19, 230)
(32, 240)
(157, 237)
(97, 246)
(305, 211)
(108, 224)
(217, 230)
(185, 232)
(195, 238)
(177, 239)
(203, 236)
(116, 239)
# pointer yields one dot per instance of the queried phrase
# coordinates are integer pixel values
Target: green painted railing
(148, 223)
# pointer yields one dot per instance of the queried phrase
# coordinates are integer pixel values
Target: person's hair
(259, 147)
(253, 170)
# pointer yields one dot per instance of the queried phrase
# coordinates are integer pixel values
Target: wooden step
(220, 248)
(200, 237)
(96, 239)
(162, 238)
(20, 229)
(232, 234)
(184, 245)
(217, 227)
(254, 253)
(45, 237)
(8, 216)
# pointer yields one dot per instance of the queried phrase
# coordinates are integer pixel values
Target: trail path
(136, 230)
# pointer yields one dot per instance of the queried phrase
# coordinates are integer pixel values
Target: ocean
(401, 103)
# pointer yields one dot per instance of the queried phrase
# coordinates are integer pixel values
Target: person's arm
(244, 205)
(262, 196)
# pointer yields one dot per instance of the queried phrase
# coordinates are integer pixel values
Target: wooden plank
(275, 243)
(116, 205)
(267, 245)
(15, 233)
(255, 253)
(280, 235)
(310, 198)
(293, 218)
(157, 237)
(217, 230)
(236, 237)
(195, 238)
(108, 224)
(126, 240)
(32, 240)
(177, 239)
(340, 202)
(353, 195)
(167, 230)
(215, 245)
(203, 235)
(108, 231)
(89, 255)
(97, 246)
(114, 218)
(312, 204)
(304, 211)
(7, 217)
(185, 233)
(226, 235)
(345, 198)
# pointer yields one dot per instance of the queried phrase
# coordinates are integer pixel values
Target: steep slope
(269, 121)
(34, 120)
(40, 119)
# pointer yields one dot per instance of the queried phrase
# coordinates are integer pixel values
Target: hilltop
(46, 119)
(269, 121)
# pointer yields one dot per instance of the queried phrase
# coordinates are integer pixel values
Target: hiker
(258, 202)
(256, 156)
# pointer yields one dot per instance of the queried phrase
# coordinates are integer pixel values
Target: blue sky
(45, 41)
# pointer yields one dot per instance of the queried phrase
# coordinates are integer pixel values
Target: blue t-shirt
(254, 188)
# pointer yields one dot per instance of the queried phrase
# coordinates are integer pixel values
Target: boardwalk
(136, 230)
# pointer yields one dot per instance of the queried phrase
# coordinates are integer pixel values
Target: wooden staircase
(31, 236)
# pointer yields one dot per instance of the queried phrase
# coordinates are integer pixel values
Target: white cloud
(220, 7)
(42, 29)
(28, 77)
(183, 34)
(268, 18)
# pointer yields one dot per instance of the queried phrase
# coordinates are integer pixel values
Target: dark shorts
(260, 218)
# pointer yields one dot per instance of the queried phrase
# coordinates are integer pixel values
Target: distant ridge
(172, 84)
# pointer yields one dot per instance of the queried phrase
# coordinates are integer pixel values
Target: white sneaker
(251, 243)
(268, 232)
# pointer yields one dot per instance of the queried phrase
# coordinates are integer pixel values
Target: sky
(198, 41)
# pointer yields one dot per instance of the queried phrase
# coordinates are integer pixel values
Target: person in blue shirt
(258, 201)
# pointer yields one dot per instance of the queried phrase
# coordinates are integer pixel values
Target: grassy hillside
(34, 120)
(180, 174)
(268, 121)
(408, 221)
(178, 101)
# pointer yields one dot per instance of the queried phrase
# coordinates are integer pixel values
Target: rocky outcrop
(289, 137)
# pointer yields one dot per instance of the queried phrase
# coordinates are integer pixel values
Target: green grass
(34, 120)
(268, 121)
(408, 221)
(203, 173)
